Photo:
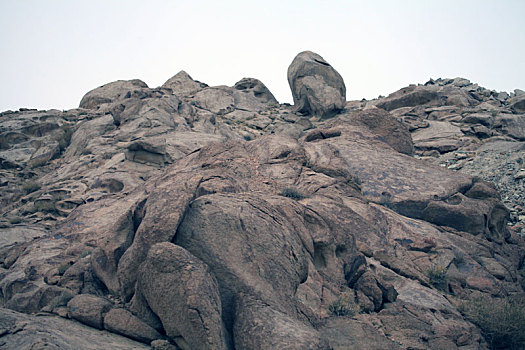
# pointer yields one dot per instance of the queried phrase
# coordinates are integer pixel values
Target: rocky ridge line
(197, 217)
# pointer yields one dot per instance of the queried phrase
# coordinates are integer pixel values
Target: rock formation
(317, 88)
(198, 217)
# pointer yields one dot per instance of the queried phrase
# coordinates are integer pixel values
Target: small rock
(162, 345)
(520, 174)
(89, 309)
(124, 322)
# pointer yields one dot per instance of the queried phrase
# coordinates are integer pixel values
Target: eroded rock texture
(316, 86)
(198, 217)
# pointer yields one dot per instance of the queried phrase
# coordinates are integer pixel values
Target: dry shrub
(501, 320)
(293, 193)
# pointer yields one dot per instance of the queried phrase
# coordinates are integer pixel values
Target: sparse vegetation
(522, 275)
(63, 267)
(431, 242)
(438, 277)
(84, 254)
(459, 257)
(30, 186)
(61, 300)
(46, 206)
(344, 305)
(15, 220)
(502, 321)
(37, 163)
(293, 193)
(86, 151)
(64, 138)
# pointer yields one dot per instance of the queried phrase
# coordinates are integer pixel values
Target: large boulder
(401, 182)
(247, 95)
(218, 100)
(259, 326)
(180, 289)
(427, 95)
(518, 103)
(409, 96)
(213, 231)
(89, 309)
(388, 128)
(317, 88)
(123, 322)
(511, 125)
(182, 84)
(115, 91)
(440, 136)
(256, 88)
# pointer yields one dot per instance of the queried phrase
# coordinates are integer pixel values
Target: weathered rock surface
(256, 88)
(316, 86)
(123, 322)
(183, 85)
(348, 333)
(115, 91)
(179, 288)
(213, 217)
(89, 309)
(21, 331)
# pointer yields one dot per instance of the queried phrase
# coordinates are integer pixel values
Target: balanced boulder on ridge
(316, 86)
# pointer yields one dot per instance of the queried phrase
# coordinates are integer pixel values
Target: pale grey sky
(54, 51)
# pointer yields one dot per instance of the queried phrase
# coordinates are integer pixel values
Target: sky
(52, 52)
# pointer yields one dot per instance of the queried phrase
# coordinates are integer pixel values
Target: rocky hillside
(196, 217)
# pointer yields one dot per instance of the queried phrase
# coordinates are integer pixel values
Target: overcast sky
(54, 51)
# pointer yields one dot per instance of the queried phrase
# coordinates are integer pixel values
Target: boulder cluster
(196, 217)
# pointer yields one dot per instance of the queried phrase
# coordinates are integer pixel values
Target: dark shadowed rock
(470, 215)
(140, 308)
(368, 285)
(164, 211)
(317, 88)
(483, 190)
(518, 103)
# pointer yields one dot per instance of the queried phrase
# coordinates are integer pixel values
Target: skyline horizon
(54, 52)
